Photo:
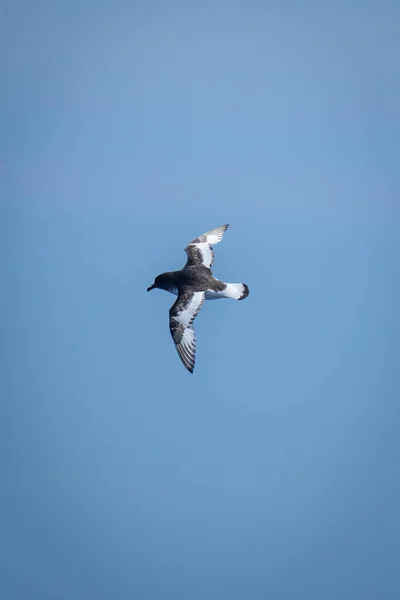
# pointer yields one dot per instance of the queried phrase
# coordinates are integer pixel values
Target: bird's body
(199, 278)
(193, 284)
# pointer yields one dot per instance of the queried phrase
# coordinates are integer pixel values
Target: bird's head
(160, 282)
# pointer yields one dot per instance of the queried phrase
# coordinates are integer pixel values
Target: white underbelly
(173, 290)
(211, 295)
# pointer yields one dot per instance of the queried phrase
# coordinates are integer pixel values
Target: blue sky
(127, 130)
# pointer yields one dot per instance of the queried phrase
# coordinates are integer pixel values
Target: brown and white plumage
(181, 316)
(200, 250)
(193, 284)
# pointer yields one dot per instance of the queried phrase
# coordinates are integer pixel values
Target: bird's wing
(181, 316)
(200, 251)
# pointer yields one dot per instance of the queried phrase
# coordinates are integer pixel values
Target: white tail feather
(236, 291)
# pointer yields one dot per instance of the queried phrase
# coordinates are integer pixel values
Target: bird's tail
(237, 291)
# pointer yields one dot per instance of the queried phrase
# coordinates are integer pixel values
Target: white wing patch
(199, 250)
(214, 236)
(207, 254)
(181, 317)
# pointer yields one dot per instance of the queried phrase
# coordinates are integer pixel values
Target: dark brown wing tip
(188, 366)
(187, 362)
(223, 227)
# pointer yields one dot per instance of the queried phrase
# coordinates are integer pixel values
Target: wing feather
(200, 250)
(181, 316)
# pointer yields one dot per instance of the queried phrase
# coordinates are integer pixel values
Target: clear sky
(127, 129)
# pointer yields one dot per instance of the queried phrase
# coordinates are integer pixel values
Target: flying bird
(193, 284)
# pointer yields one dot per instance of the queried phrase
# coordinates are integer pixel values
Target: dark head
(161, 281)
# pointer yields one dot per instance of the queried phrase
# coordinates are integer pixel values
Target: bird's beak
(151, 287)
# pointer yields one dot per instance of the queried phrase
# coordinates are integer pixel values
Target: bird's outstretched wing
(181, 316)
(200, 251)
